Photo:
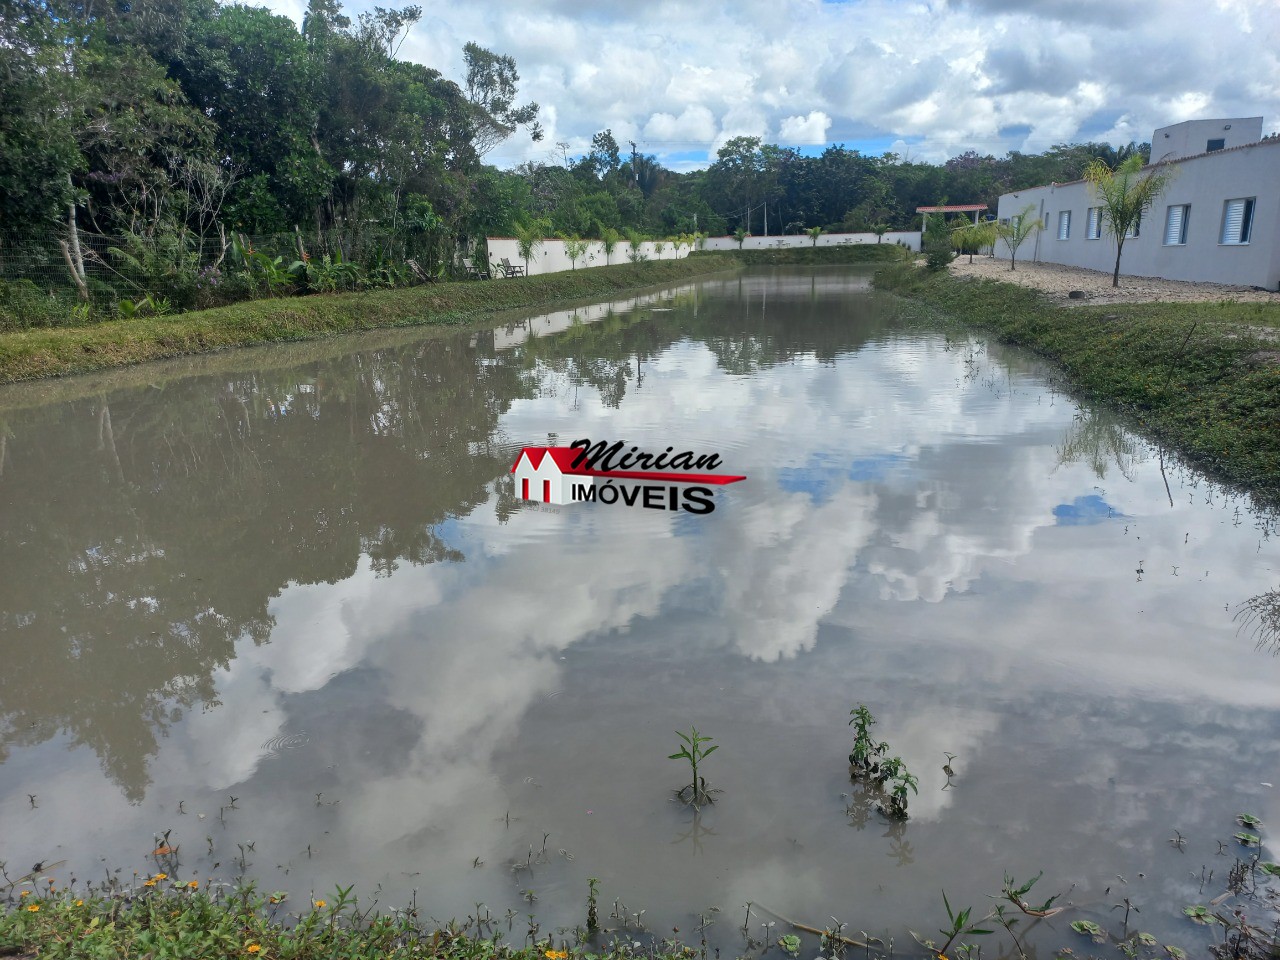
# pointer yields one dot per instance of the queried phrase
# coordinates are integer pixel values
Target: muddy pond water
(300, 577)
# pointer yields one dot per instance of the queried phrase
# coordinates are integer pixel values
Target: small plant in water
(865, 759)
(1089, 929)
(1248, 820)
(897, 804)
(696, 793)
(1198, 914)
(1248, 839)
(789, 943)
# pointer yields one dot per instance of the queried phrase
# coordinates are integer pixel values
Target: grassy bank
(843, 254)
(179, 920)
(1200, 378)
(31, 354)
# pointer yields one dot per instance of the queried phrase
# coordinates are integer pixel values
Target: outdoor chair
(474, 272)
(511, 270)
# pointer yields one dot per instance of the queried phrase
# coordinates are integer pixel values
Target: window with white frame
(1175, 225)
(1237, 221)
(1093, 230)
(1133, 228)
(1064, 225)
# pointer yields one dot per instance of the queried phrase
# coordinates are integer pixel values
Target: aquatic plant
(593, 919)
(696, 793)
(866, 752)
(960, 926)
(1089, 929)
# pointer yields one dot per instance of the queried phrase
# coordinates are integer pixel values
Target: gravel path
(1057, 281)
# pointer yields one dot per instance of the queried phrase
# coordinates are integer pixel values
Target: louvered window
(1237, 222)
(1094, 229)
(1064, 225)
(1132, 231)
(1175, 225)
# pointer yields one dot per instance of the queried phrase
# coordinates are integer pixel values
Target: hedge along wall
(549, 256)
(910, 237)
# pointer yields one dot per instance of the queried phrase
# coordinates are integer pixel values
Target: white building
(543, 474)
(1217, 221)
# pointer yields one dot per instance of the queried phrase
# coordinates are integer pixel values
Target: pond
(285, 605)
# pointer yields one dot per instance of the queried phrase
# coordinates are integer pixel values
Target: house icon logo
(543, 474)
(602, 473)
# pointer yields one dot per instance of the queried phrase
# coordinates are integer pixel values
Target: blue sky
(680, 77)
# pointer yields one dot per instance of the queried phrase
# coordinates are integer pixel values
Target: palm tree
(814, 234)
(610, 238)
(528, 238)
(1125, 195)
(1019, 227)
(971, 238)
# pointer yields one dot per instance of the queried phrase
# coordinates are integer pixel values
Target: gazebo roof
(953, 208)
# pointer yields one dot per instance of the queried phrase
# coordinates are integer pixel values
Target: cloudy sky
(932, 77)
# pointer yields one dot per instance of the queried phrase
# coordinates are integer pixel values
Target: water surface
(300, 577)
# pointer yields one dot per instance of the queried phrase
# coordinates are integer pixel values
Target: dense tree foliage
(186, 122)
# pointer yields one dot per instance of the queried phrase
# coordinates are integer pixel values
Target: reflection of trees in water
(156, 527)
(1260, 617)
(143, 534)
(1098, 438)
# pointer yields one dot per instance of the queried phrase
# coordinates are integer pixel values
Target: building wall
(1203, 182)
(1192, 136)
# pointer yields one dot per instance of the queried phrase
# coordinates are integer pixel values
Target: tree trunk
(72, 254)
(1115, 277)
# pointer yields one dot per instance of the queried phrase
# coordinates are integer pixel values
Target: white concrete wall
(1190, 137)
(910, 237)
(549, 255)
(1205, 183)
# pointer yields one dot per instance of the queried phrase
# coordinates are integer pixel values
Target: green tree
(814, 234)
(971, 238)
(491, 88)
(935, 241)
(1020, 226)
(1125, 194)
(610, 238)
(529, 238)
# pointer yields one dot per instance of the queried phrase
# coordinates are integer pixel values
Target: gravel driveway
(1057, 281)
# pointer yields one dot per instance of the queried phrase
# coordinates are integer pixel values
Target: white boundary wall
(910, 237)
(549, 255)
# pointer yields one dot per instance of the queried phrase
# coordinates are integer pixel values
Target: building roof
(1271, 139)
(953, 208)
(562, 457)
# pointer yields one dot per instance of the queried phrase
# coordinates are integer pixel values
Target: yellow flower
(253, 948)
(193, 884)
(79, 903)
(24, 893)
(148, 883)
(34, 908)
(557, 955)
(161, 876)
(318, 904)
